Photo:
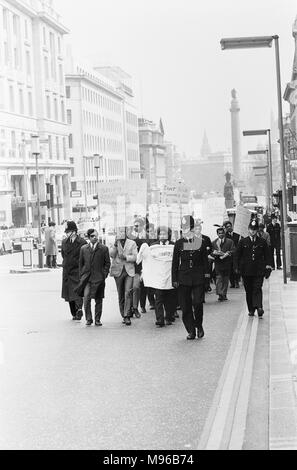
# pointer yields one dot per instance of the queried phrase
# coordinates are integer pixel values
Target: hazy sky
(172, 50)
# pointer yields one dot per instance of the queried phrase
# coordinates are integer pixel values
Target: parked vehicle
(5, 242)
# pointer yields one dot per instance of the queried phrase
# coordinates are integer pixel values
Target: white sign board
(242, 220)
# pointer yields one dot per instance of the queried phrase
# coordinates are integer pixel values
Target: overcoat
(223, 265)
(50, 242)
(70, 252)
(94, 267)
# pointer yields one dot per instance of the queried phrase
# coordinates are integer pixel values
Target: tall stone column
(236, 137)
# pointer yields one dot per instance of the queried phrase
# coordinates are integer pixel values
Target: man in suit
(94, 264)
(274, 230)
(252, 258)
(189, 269)
(70, 252)
(124, 254)
(235, 237)
(222, 251)
(138, 234)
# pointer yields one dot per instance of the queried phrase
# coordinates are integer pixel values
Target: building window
(64, 148)
(6, 53)
(46, 69)
(53, 56)
(50, 146)
(48, 107)
(59, 45)
(44, 36)
(15, 21)
(2, 143)
(28, 63)
(56, 109)
(70, 143)
(68, 92)
(26, 29)
(13, 144)
(5, 19)
(21, 100)
(61, 74)
(57, 148)
(11, 99)
(16, 58)
(69, 116)
(62, 111)
(30, 103)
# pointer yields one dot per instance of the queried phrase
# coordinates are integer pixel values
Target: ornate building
(32, 102)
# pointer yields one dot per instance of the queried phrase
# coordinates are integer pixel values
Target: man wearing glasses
(94, 265)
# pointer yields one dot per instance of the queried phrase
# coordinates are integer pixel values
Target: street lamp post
(266, 173)
(97, 165)
(36, 152)
(259, 42)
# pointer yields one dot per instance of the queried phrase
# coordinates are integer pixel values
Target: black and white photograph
(148, 228)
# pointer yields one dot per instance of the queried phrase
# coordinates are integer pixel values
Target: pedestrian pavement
(283, 363)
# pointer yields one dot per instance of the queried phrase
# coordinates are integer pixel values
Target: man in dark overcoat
(252, 259)
(94, 265)
(189, 270)
(70, 251)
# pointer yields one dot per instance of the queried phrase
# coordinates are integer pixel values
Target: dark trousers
(253, 290)
(191, 302)
(165, 299)
(136, 290)
(146, 292)
(75, 305)
(124, 285)
(234, 278)
(222, 282)
(276, 250)
(87, 304)
(51, 261)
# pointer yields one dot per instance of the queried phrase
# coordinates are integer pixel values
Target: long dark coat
(94, 267)
(251, 258)
(70, 253)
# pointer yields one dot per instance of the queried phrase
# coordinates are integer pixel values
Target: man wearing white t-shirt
(156, 272)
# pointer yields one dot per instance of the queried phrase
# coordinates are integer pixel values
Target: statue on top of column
(228, 192)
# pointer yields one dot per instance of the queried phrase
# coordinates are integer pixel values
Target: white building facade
(102, 120)
(32, 102)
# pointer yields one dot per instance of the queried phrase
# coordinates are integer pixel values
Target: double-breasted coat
(252, 257)
(70, 252)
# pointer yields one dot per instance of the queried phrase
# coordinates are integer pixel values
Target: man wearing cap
(189, 270)
(252, 258)
(235, 237)
(70, 252)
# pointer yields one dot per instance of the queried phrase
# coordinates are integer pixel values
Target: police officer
(189, 270)
(208, 245)
(252, 258)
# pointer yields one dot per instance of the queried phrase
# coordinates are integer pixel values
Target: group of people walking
(173, 275)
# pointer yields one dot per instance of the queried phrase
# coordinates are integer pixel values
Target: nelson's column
(235, 132)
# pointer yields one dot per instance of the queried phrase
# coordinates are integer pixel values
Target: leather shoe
(200, 332)
(260, 312)
(160, 324)
(136, 313)
(89, 322)
(79, 314)
(251, 314)
(176, 315)
(127, 321)
(143, 310)
(191, 336)
(168, 322)
(98, 323)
